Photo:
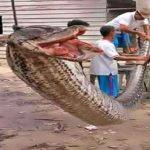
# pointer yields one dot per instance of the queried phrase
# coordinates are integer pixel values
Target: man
(78, 22)
(126, 24)
(105, 66)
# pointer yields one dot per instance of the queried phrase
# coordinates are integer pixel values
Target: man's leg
(134, 43)
(126, 42)
(129, 43)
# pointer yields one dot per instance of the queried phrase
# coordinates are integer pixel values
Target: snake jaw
(62, 44)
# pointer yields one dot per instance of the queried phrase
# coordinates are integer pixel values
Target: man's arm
(145, 59)
(87, 46)
(146, 29)
(128, 58)
(125, 28)
(83, 45)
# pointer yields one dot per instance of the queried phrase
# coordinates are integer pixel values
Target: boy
(105, 65)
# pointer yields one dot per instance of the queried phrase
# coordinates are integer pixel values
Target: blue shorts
(109, 84)
(121, 40)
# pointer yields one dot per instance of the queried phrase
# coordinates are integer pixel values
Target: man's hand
(147, 59)
(142, 34)
(147, 38)
(140, 61)
(143, 62)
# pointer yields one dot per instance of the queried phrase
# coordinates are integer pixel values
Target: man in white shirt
(126, 24)
(78, 22)
(104, 66)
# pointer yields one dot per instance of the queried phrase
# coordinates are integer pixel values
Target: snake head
(54, 42)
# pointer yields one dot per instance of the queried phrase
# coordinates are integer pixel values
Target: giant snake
(60, 79)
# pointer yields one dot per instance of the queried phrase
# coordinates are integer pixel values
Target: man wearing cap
(126, 25)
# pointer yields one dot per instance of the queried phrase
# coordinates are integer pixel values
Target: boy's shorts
(122, 40)
(109, 84)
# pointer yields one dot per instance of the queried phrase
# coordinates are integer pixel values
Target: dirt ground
(30, 122)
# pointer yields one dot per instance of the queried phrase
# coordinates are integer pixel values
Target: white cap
(143, 6)
(145, 13)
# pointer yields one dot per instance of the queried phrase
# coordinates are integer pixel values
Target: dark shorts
(122, 40)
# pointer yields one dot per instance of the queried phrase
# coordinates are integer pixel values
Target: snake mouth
(63, 50)
(72, 49)
(59, 43)
(66, 45)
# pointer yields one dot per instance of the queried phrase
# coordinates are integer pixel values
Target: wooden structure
(55, 13)
(59, 12)
(117, 7)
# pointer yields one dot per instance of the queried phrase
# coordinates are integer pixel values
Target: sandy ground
(30, 122)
